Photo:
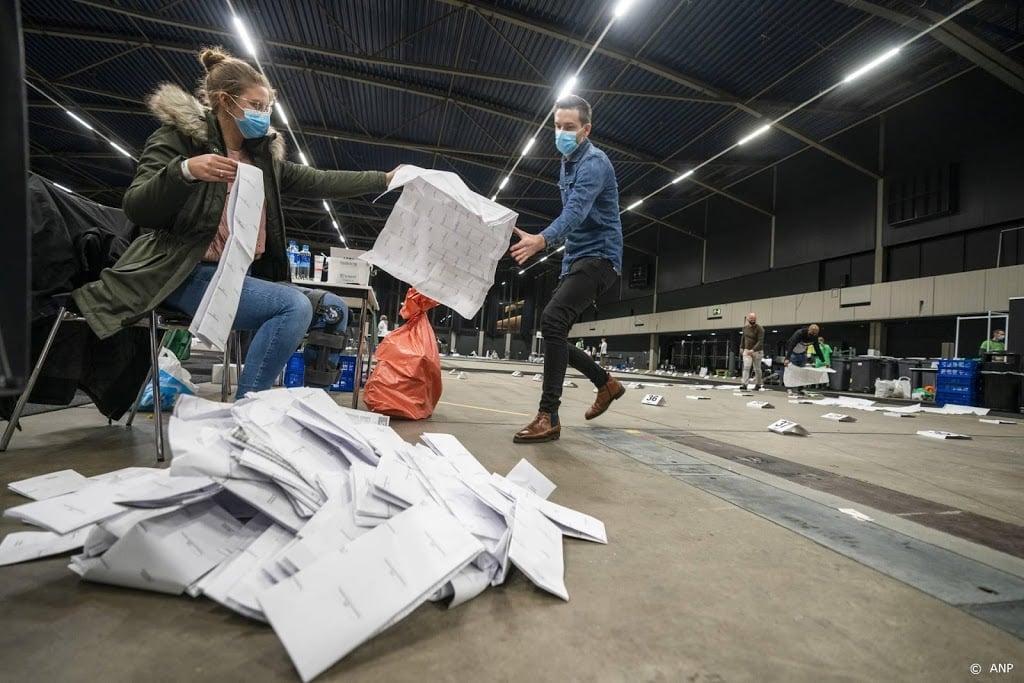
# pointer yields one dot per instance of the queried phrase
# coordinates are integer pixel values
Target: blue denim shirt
(589, 223)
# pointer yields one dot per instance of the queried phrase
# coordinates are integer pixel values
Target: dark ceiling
(461, 86)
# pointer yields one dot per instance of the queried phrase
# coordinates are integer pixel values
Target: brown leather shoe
(539, 431)
(611, 391)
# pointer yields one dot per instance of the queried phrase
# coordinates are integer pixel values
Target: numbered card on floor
(787, 427)
(698, 398)
(517, 374)
(538, 378)
(653, 400)
(996, 421)
(839, 417)
(892, 414)
(759, 404)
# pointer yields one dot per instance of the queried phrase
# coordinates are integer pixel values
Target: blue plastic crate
(348, 374)
(969, 364)
(957, 372)
(956, 382)
(960, 399)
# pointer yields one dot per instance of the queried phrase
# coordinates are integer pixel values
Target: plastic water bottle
(305, 261)
(293, 259)
(295, 370)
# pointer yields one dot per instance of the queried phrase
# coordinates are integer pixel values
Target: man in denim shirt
(590, 228)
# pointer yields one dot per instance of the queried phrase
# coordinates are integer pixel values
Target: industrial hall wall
(966, 134)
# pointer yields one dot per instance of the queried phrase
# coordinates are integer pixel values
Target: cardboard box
(344, 267)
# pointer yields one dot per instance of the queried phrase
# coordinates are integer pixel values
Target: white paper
(443, 238)
(216, 312)
(22, 546)
(536, 548)
(49, 485)
(530, 478)
(327, 610)
(938, 434)
(796, 376)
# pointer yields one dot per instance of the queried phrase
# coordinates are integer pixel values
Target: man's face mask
(565, 141)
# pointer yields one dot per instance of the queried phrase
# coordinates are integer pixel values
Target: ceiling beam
(954, 36)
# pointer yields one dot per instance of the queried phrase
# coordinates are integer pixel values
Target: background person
(799, 343)
(180, 193)
(589, 226)
(752, 348)
(604, 351)
(995, 344)
(382, 326)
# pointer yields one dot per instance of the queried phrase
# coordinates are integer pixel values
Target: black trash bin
(863, 372)
(1002, 361)
(1001, 391)
(905, 364)
(840, 379)
(888, 368)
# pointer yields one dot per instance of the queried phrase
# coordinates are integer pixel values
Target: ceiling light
(494, 197)
(561, 248)
(503, 183)
(529, 144)
(568, 87)
(61, 187)
(522, 271)
(303, 159)
(682, 177)
(872, 64)
(121, 149)
(621, 8)
(244, 35)
(760, 131)
(279, 108)
(327, 206)
(634, 205)
(78, 118)
(334, 223)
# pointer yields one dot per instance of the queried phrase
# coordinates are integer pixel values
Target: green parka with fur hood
(184, 216)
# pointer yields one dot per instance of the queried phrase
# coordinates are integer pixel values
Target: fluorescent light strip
(61, 187)
(120, 149)
(279, 108)
(504, 182)
(529, 144)
(568, 87)
(682, 177)
(622, 7)
(757, 133)
(327, 207)
(303, 159)
(634, 205)
(78, 118)
(244, 35)
(874, 63)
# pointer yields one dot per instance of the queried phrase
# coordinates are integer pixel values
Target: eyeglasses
(253, 104)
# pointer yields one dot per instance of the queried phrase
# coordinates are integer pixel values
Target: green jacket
(184, 216)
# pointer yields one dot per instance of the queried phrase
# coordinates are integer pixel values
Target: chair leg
(154, 351)
(225, 376)
(138, 400)
(23, 398)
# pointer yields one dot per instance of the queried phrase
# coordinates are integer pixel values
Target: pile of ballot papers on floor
(320, 520)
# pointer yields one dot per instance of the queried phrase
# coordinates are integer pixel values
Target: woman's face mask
(253, 123)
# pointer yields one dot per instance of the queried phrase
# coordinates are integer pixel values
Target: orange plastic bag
(406, 381)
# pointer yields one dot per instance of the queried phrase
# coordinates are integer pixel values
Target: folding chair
(156, 320)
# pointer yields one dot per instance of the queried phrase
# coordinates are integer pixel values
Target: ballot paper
(89, 504)
(330, 608)
(162, 490)
(530, 478)
(796, 376)
(166, 553)
(536, 548)
(49, 485)
(22, 546)
(939, 434)
(215, 315)
(467, 584)
(443, 238)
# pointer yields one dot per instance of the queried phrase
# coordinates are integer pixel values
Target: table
(363, 299)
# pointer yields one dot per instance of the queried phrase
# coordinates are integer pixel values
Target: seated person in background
(995, 344)
(179, 192)
(799, 344)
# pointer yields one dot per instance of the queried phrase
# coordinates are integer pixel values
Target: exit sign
(714, 312)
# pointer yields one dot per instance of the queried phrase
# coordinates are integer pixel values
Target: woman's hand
(213, 168)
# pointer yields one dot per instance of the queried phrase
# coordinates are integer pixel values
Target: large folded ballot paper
(443, 238)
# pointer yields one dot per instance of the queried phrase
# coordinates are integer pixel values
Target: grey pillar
(652, 357)
(508, 345)
(480, 343)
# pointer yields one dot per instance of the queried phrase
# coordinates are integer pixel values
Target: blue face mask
(253, 124)
(565, 141)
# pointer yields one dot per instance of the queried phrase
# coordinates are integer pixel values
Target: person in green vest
(995, 344)
(823, 357)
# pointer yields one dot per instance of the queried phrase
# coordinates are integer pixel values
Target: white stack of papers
(322, 521)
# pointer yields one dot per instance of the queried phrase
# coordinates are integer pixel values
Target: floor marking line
(490, 410)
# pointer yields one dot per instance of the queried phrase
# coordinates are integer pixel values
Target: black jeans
(587, 279)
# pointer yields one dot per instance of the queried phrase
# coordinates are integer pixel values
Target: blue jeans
(798, 359)
(279, 313)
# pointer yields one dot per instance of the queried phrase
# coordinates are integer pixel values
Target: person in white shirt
(382, 326)
(604, 351)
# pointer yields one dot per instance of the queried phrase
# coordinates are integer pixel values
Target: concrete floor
(691, 587)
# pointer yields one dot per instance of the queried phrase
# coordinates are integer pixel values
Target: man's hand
(527, 246)
(391, 174)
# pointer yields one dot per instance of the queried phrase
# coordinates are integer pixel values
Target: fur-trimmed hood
(175, 107)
